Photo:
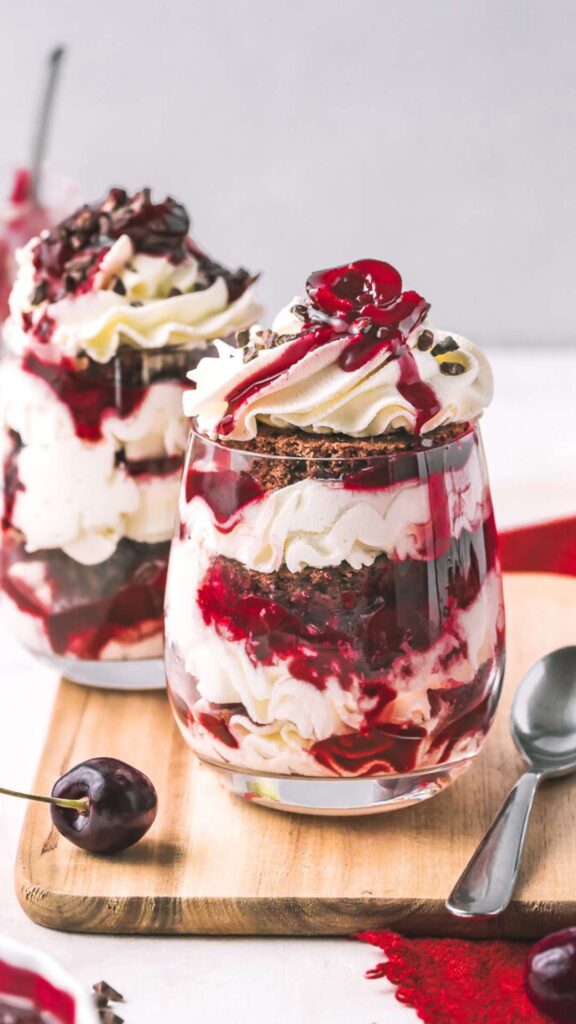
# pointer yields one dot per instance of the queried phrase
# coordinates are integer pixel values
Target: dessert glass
(111, 454)
(109, 311)
(334, 626)
(36, 989)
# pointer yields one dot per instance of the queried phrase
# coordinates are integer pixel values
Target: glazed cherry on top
(367, 290)
(368, 297)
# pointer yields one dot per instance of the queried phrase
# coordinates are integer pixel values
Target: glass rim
(470, 429)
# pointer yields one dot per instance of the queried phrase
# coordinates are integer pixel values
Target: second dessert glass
(334, 625)
(88, 513)
(109, 311)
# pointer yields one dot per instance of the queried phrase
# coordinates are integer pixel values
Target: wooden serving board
(213, 864)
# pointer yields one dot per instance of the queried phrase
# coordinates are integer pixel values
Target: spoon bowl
(543, 716)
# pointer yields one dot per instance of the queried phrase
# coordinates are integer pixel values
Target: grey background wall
(439, 134)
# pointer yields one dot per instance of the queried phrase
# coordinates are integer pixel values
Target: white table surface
(530, 438)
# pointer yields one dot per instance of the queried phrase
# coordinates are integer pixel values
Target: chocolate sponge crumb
(296, 444)
(298, 454)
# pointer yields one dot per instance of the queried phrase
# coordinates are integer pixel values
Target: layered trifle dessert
(108, 313)
(334, 604)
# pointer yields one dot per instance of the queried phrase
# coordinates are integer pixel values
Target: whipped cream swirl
(147, 285)
(363, 372)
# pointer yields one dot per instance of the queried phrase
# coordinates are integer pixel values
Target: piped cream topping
(317, 396)
(157, 303)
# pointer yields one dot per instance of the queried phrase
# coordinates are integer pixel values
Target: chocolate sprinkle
(425, 340)
(40, 293)
(452, 369)
(243, 338)
(109, 1017)
(302, 311)
(261, 341)
(102, 988)
(447, 345)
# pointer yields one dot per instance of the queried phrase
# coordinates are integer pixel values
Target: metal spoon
(43, 122)
(543, 727)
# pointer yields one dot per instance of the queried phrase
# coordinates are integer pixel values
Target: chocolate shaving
(447, 345)
(425, 340)
(109, 1017)
(261, 341)
(302, 311)
(102, 988)
(40, 293)
(242, 338)
(452, 369)
(237, 281)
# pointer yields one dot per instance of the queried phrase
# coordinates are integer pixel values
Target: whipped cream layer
(74, 494)
(321, 523)
(161, 304)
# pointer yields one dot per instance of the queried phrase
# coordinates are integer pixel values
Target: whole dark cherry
(550, 975)
(120, 805)
(102, 805)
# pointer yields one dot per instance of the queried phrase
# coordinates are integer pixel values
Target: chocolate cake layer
(297, 444)
(287, 457)
(380, 609)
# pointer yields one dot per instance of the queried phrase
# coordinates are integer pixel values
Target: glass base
(139, 674)
(342, 797)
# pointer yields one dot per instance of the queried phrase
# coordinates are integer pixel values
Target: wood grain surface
(212, 864)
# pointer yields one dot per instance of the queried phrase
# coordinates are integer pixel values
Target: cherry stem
(81, 805)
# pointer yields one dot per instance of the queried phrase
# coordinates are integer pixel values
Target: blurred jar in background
(109, 311)
(35, 989)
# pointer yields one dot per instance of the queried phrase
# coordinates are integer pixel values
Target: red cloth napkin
(461, 981)
(457, 981)
(545, 547)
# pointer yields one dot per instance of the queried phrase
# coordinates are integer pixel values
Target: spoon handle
(485, 887)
